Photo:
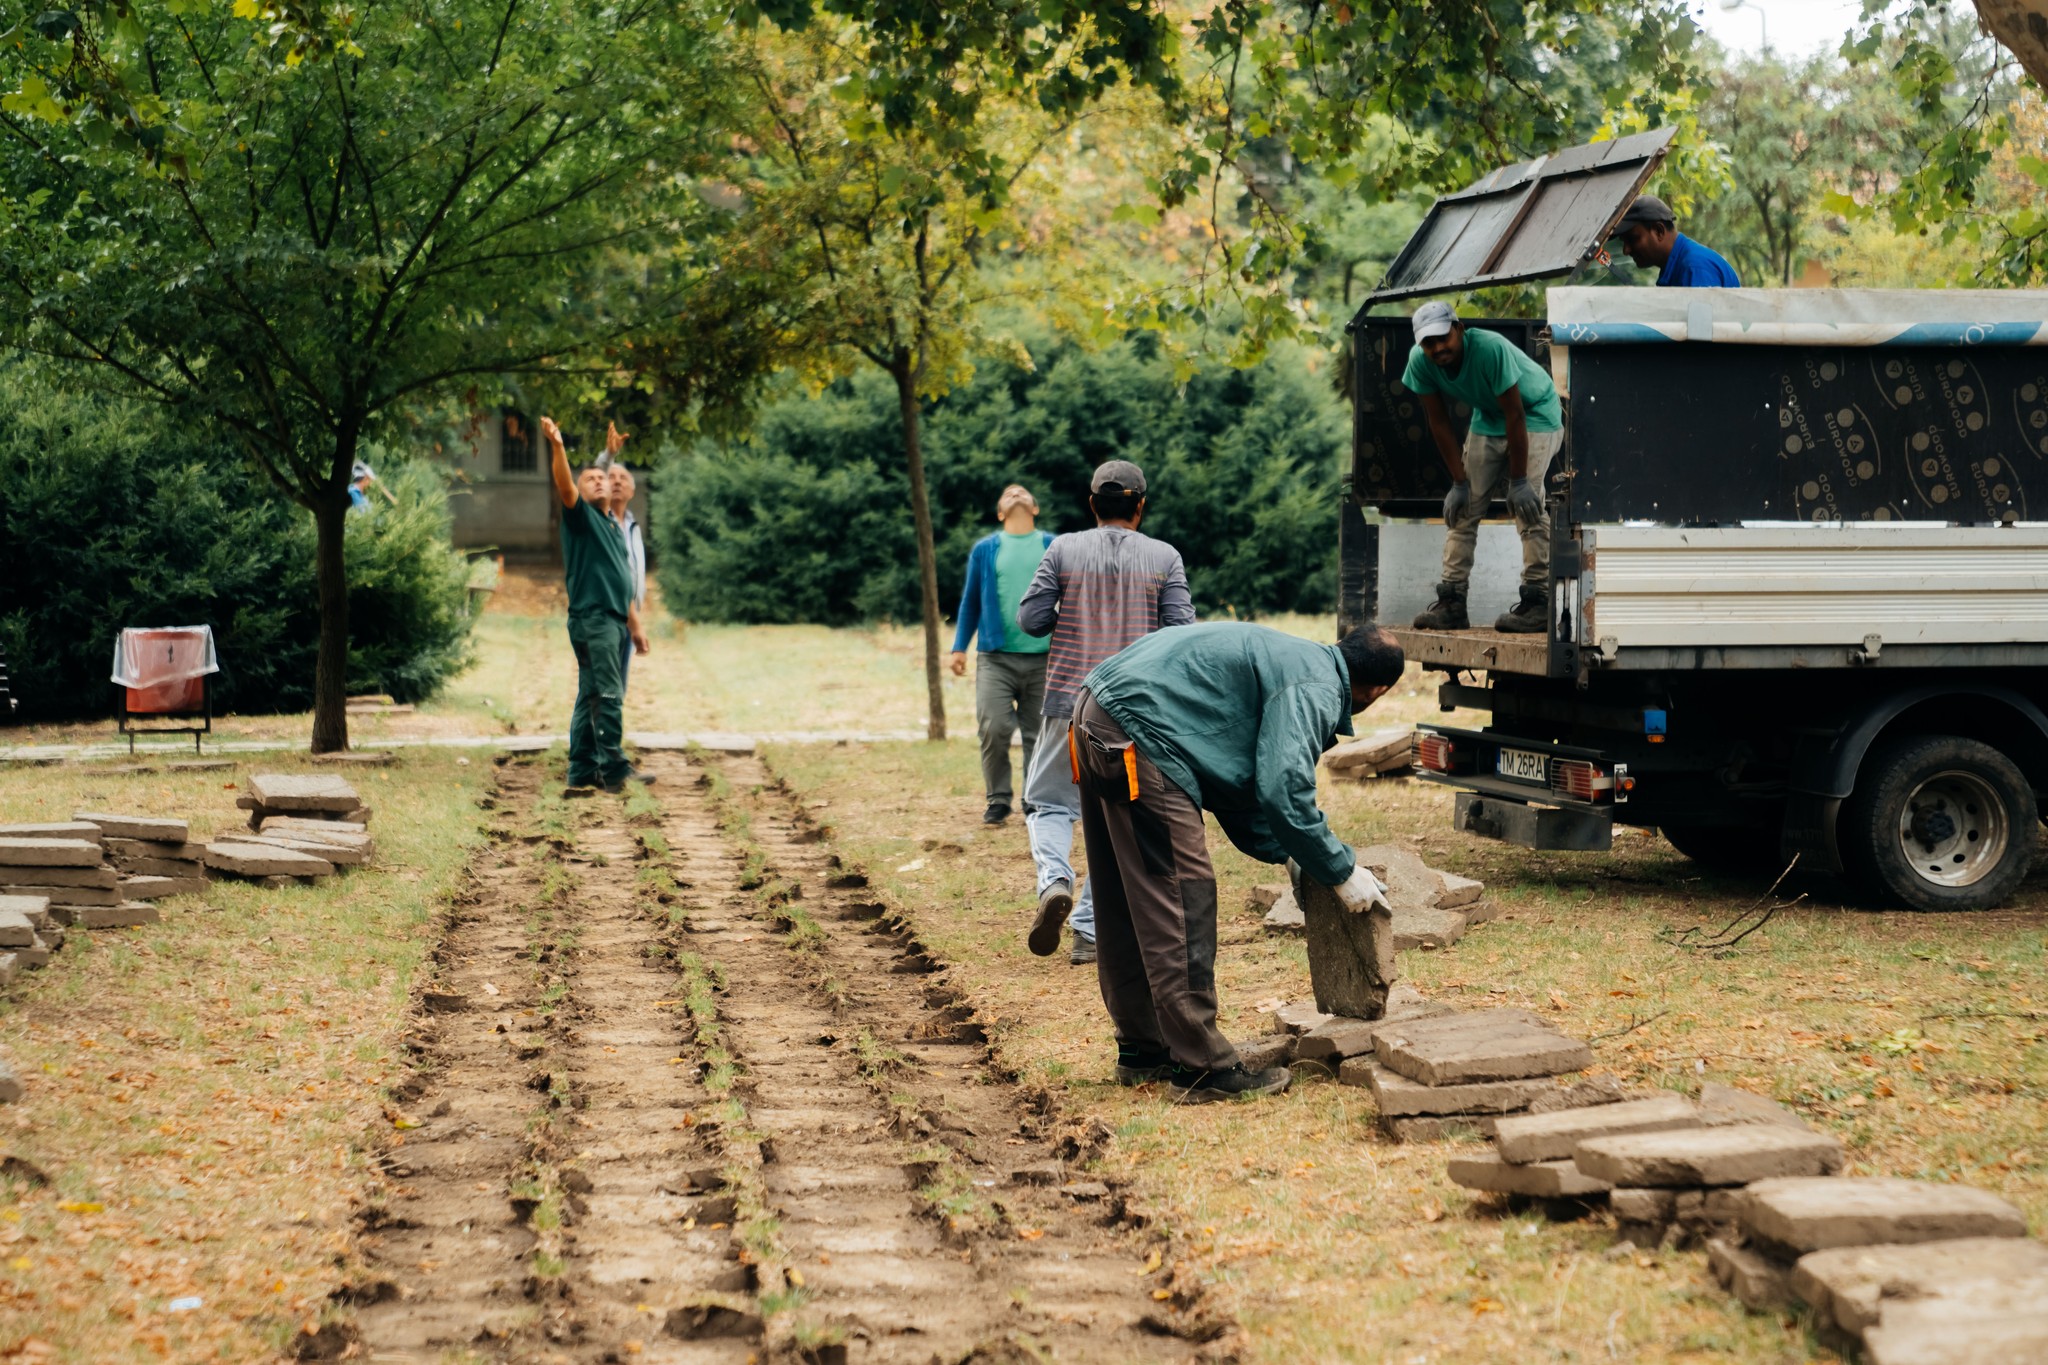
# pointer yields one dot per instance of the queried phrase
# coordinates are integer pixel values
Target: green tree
(294, 223)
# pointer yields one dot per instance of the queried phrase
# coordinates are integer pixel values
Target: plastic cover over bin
(164, 668)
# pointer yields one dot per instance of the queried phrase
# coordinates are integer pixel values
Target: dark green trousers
(597, 729)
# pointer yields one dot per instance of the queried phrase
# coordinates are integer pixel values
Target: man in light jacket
(1009, 675)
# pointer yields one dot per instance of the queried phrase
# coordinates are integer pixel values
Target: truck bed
(1486, 651)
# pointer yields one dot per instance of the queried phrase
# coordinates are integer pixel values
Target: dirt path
(687, 1096)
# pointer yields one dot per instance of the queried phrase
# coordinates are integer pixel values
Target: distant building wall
(503, 497)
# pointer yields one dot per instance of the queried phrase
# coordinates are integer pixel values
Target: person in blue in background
(360, 478)
(1009, 677)
(1649, 234)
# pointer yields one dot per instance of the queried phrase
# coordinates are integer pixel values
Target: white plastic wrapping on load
(151, 656)
(1582, 316)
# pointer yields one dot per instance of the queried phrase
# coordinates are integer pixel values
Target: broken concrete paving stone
(1854, 1287)
(1708, 1156)
(16, 930)
(1418, 927)
(1762, 1284)
(53, 829)
(1801, 1214)
(1399, 1097)
(1554, 1136)
(1458, 891)
(295, 792)
(100, 875)
(1543, 1179)
(338, 854)
(19, 853)
(162, 867)
(1586, 1092)
(1285, 916)
(1942, 1333)
(127, 915)
(148, 827)
(1633, 1205)
(323, 828)
(1274, 1049)
(1298, 1017)
(1436, 1127)
(119, 849)
(1491, 1045)
(265, 860)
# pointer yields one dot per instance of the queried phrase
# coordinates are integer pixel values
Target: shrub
(809, 518)
(114, 515)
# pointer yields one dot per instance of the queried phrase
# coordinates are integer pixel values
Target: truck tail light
(1578, 780)
(1435, 753)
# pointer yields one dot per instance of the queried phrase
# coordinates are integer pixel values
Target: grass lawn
(1917, 1039)
(198, 1091)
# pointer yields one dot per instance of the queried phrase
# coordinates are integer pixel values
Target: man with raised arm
(602, 617)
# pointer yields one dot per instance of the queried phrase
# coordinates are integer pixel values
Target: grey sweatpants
(1008, 690)
(1486, 468)
(1155, 898)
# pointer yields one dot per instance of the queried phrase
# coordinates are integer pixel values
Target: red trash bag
(164, 668)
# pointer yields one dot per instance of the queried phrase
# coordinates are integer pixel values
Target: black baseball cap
(1117, 476)
(1648, 210)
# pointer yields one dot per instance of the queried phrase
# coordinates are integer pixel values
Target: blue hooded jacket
(980, 608)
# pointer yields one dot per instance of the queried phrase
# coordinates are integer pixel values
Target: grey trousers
(1155, 898)
(1486, 468)
(1008, 690)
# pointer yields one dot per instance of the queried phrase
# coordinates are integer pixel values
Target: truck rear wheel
(1744, 850)
(1938, 822)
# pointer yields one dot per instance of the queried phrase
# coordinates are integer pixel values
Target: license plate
(1523, 766)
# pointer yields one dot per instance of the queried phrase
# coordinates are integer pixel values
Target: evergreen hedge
(808, 519)
(114, 515)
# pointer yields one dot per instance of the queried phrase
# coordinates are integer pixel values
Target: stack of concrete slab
(1384, 753)
(1436, 1074)
(155, 857)
(1431, 908)
(29, 935)
(304, 796)
(1912, 1272)
(65, 863)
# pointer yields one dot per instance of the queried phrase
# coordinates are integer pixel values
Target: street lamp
(1763, 20)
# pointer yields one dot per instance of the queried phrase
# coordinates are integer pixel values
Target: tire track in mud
(688, 1095)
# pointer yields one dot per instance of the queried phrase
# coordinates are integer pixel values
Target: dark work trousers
(598, 723)
(1155, 898)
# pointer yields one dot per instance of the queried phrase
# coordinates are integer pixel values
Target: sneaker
(1205, 1087)
(1530, 616)
(1139, 1066)
(1054, 904)
(1448, 611)
(997, 812)
(577, 789)
(635, 775)
(1082, 953)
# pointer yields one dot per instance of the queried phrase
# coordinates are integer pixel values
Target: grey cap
(1648, 210)
(360, 470)
(1434, 319)
(1117, 476)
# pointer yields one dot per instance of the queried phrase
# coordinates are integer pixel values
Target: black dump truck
(1798, 609)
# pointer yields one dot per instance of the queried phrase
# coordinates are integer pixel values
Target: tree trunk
(2021, 25)
(927, 548)
(330, 572)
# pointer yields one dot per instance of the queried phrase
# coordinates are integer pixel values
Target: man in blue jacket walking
(1009, 677)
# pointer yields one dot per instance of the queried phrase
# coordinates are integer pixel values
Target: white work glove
(1362, 891)
(1457, 500)
(1524, 500)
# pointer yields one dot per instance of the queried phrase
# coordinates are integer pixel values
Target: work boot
(1082, 952)
(1139, 1065)
(997, 812)
(1448, 611)
(1530, 616)
(1055, 903)
(1206, 1087)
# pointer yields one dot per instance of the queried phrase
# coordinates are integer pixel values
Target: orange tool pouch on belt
(1129, 751)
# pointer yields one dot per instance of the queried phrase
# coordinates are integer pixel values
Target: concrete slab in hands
(1802, 1214)
(1708, 1156)
(1554, 1137)
(19, 853)
(1542, 1179)
(136, 826)
(303, 792)
(265, 860)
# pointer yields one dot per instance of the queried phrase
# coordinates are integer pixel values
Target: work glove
(1457, 500)
(1362, 891)
(1524, 500)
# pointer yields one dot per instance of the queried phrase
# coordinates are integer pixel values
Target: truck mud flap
(1543, 827)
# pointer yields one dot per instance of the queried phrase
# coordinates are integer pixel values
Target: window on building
(516, 453)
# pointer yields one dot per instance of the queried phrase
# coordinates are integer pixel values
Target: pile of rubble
(1384, 753)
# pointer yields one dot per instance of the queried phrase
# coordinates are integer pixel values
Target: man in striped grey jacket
(1095, 592)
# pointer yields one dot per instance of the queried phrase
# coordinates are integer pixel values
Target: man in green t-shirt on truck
(1517, 425)
(602, 617)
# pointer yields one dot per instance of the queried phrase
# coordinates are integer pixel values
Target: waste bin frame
(125, 719)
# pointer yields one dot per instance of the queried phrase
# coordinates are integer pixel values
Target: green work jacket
(1237, 716)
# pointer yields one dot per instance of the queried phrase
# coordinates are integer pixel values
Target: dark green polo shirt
(600, 576)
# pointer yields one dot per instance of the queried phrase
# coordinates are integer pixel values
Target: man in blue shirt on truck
(1649, 234)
